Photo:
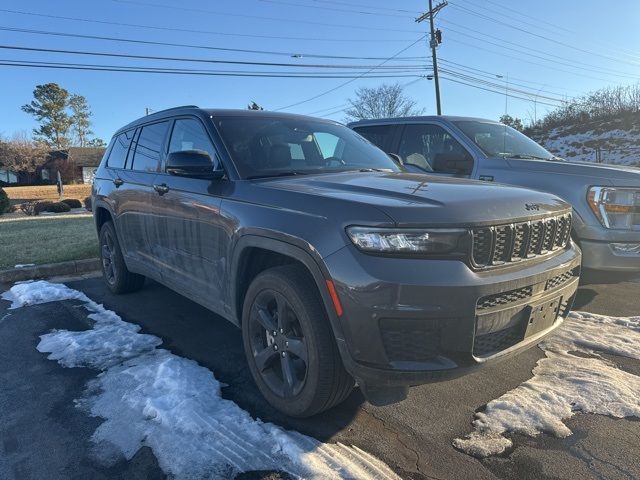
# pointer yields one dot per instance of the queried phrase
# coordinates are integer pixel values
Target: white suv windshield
(498, 140)
(272, 146)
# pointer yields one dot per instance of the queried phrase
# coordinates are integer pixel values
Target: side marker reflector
(334, 297)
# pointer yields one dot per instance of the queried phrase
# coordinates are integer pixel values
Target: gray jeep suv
(605, 199)
(337, 265)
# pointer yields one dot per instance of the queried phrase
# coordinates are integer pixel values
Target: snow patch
(148, 396)
(563, 383)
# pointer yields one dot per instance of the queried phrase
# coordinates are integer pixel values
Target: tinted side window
(380, 135)
(118, 155)
(189, 134)
(422, 145)
(148, 149)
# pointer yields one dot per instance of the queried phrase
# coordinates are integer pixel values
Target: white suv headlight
(407, 240)
(616, 208)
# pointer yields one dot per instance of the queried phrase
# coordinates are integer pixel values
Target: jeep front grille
(505, 244)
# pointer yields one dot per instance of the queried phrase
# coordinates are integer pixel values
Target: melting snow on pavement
(573, 377)
(148, 396)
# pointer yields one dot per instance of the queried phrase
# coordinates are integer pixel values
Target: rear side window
(149, 147)
(380, 135)
(118, 155)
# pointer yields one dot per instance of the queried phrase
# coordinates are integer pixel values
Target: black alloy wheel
(289, 344)
(278, 344)
(107, 248)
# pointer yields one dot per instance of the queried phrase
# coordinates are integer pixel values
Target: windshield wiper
(526, 156)
(385, 170)
(279, 174)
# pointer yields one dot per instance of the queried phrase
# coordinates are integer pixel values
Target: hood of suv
(615, 175)
(415, 199)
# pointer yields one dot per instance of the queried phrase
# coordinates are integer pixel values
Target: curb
(72, 267)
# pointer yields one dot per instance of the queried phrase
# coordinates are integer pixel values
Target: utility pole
(434, 40)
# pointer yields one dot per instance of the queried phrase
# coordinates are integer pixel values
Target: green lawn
(46, 240)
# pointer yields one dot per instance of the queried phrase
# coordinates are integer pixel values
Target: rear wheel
(116, 275)
(289, 344)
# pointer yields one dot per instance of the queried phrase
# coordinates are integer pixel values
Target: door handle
(118, 182)
(486, 178)
(161, 189)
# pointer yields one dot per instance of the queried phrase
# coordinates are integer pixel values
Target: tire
(114, 271)
(324, 382)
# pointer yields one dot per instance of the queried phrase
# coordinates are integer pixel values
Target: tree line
(64, 120)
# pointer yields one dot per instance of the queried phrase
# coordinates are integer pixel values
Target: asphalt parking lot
(43, 435)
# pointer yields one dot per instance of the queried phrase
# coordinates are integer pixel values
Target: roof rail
(175, 108)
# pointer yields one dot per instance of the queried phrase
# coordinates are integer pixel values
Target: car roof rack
(175, 108)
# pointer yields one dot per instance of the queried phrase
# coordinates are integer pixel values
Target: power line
(335, 2)
(343, 107)
(261, 17)
(188, 30)
(203, 47)
(537, 35)
(201, 60)
(352, 80)
(496, 91)
(493, 76)
(185, 71)
(561, 29)
(334, 9)
(481, 81)
(526, 50)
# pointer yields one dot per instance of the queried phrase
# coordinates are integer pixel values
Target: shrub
(41, 207)
(87, 203)
(58, 207)
(72, 202)
(4, 201)
(28, 208)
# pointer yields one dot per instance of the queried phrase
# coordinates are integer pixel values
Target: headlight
(409, 240)
(617, 208)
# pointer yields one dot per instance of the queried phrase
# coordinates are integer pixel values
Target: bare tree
(387, 100)
(22, 154)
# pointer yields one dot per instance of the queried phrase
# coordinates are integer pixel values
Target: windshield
(277, 146)
(497, 140)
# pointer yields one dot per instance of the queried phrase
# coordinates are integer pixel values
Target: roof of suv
(386, 121)
(216, 112)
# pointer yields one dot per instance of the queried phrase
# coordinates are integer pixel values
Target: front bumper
(600, 255)
(411, 321)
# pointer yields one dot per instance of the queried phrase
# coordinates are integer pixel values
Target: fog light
(626, 249)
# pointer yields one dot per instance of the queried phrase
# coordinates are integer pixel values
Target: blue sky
(554, 49)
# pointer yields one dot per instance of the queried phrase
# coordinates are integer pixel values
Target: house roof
(79, 156)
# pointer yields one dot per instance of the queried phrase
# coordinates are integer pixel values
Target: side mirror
(396, 158)
(192, 163)
(455, 163)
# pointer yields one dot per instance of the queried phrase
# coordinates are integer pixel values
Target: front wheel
(118, 278)
(289, 344)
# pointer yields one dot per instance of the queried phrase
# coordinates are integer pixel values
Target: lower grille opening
(410, 340)
(504, 298)
(496, 341)
(561, 279)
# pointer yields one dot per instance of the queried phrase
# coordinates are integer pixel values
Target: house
(75, 164)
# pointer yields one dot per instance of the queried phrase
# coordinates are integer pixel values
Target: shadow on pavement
(193, 332)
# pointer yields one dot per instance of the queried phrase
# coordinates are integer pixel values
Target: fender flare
(297, 249)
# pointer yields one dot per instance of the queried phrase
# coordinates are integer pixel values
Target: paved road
(42, 435)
